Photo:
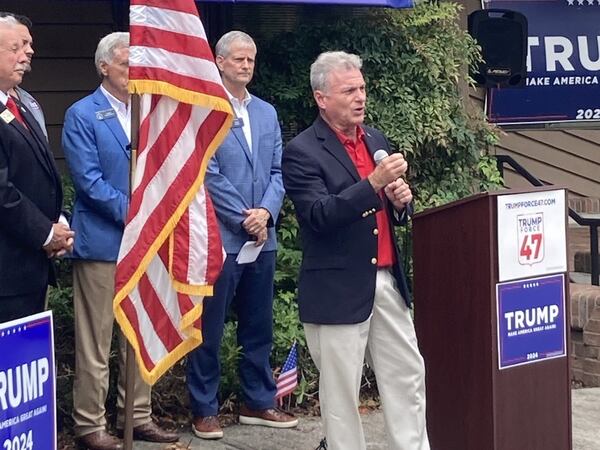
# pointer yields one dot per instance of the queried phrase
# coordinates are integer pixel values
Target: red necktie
(13, 108)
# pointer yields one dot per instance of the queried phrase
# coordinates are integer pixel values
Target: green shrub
(415, 65)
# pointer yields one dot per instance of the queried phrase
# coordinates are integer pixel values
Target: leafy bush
(415, 64)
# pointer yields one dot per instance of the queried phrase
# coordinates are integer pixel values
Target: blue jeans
(248, 289)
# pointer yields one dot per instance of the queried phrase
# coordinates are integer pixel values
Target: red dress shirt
(363, 161)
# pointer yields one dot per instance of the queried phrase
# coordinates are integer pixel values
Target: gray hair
(326, 63)
(22, 20)
(8, 21)
(224, 44)
(107, 46)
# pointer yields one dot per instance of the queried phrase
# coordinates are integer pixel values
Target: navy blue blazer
(239, 179)
(336, 214)
(97, 153)
(30, 201)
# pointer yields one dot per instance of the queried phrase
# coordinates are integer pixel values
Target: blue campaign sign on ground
(563, 64)
(27, 390)
(531, 320)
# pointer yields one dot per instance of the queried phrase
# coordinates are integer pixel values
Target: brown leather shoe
(151, 432)
(207, 427)
(271, 417)
(99, 440)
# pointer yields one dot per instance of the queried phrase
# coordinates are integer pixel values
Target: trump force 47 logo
(531, 238)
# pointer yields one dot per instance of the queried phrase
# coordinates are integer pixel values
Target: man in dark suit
(352, 292)
(31, 228)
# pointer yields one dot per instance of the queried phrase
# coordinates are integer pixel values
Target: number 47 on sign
(531, 238)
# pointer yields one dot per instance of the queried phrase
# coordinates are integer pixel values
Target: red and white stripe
(171, 252)
(288, 378)
(287, 382)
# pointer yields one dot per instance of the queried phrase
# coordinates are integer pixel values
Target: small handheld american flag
(288, 378)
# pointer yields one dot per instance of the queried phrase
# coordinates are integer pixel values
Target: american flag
(288, 378)
(171, 252)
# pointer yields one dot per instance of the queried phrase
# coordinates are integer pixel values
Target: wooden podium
(471, 403)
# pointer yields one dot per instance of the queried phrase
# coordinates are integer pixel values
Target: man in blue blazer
(244, 181)
(96, 138)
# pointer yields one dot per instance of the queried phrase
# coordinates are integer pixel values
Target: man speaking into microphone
(352, 292)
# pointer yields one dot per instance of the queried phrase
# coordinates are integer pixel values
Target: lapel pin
(7, 116)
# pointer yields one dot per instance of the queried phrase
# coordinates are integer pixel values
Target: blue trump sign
(563, 65)
(531, 320)
(27, 392)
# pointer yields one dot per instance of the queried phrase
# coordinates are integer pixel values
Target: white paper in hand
(249, 252)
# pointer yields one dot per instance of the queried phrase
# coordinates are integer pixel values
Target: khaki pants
(387, 339)
(93, 291)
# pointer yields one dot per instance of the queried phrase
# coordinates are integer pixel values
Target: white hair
(8, 21)
(107, 46)
(223, 46)
(326, 63)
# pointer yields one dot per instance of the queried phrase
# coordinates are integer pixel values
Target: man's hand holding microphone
(388, 176)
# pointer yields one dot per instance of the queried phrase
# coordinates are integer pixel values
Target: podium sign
(27, 389)
(497, 376)
(531, 234)
(531, 320)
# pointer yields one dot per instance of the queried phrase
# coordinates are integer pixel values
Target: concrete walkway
(586, 419)
(586, 431)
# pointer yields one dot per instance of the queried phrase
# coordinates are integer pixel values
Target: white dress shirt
(241, 111)
(123, 111)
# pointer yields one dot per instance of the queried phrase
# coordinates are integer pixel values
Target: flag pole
(130, 356)
(208, 113)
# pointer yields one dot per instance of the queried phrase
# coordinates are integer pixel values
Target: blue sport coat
(239, 179)
(97, 153)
